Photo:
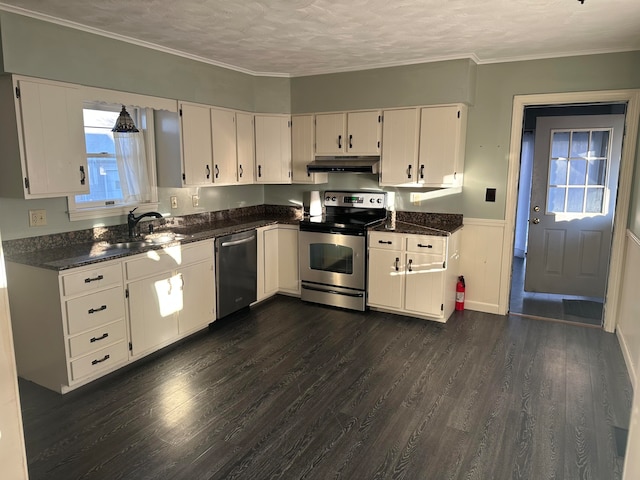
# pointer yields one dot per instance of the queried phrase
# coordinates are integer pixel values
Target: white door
(573, 193)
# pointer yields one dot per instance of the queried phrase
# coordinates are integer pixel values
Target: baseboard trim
(626, 354)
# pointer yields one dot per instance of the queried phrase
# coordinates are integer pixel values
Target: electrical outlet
(37, 218)
(195, 200)
(174, 201)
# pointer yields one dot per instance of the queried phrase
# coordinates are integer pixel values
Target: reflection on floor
(585, 310)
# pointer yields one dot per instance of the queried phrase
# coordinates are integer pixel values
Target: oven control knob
(372, 200)
(379, 200)
(333, 199)
(328, 199)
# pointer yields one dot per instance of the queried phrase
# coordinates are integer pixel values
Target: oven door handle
(335, 292)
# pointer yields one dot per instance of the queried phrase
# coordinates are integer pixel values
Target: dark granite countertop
(81, 254)
(410, 228)
(418, 223)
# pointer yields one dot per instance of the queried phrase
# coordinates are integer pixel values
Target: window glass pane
(558, 172)
(580, 144)
(331, 258)
(100, 118)
(597, 169)
(99, 140)
(560, 145)
(555, 202)
(104, 181)
(575, 199)
(599, 143)
(595, 197)
(577, 172)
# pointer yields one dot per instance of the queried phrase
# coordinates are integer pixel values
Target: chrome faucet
(132, 220)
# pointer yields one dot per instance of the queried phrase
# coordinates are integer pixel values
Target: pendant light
(124, 123)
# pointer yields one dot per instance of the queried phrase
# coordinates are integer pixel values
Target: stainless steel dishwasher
(236, 272)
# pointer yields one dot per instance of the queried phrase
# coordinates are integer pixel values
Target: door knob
(536, 221)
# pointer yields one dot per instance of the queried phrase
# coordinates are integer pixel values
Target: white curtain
(132, 167)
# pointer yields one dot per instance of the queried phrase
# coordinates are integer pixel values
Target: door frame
(625, 182)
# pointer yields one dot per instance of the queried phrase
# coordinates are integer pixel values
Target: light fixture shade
(124, 123)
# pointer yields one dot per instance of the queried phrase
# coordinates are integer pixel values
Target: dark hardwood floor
(293, 390)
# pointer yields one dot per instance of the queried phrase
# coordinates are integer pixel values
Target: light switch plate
(195, 200)
(37, 218)
(174, 201)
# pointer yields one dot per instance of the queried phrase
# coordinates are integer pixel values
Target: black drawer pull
(385, 243)
(95, 279)
(95, 310)
(425, 246)
(97, 339)
(104, 359)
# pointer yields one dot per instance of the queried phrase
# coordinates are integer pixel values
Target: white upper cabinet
(302, 145)
(42, 139)
(351, 133)
(399, 161)
(223, 134)
(245, 139)
(273, 148)
(442, 144)
(197, 155)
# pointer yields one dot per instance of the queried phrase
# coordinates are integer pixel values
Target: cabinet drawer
(96, 339)
(385, 240)
(94, 279)
(430, 244)
(197, 252)
(99, 360)
(167, 259)
(91, 311)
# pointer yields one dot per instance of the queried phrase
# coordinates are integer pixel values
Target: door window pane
(599, 144)
(558, 172)
(555, 201)
(577, 172)
(560, 145)
(595, 198)
(597, 169)
(575, 200)
(331, 258)
(579, 144)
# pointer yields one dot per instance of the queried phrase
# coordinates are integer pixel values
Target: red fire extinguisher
(460, 293)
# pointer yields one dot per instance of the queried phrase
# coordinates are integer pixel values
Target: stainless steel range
(333, 248)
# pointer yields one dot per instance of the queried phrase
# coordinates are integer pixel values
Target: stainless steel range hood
(344, 165)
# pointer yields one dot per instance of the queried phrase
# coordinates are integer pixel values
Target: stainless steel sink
(146, 241)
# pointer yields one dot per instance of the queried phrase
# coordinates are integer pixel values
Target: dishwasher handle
(238, 242)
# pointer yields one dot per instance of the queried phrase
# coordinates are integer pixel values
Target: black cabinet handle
(208, 172)
(241, 170)
(410, 262)
(339, 141)
(396, 263)
(94, 279)
(350, 141)
(425, 246)
(217, 171)
(83, 175)
(389, 242)
(97, 339)
(99, 309)
(421, 171)
(409, 172)
(104, 359)
(259, 170)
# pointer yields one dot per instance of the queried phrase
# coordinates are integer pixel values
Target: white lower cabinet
(278, 270)
(170, 293)
(405, 280)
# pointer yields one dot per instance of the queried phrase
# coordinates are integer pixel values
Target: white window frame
(143, 118)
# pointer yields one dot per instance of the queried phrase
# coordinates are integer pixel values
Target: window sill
(115, 211)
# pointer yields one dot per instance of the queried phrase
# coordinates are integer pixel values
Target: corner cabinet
(42, 139)
(413, 274)
(273, 148)
(302, 150)
(348, 133)
(278, 270)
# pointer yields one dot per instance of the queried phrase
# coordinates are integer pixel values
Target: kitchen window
(110, 164)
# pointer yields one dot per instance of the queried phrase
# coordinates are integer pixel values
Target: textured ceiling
(303, 37)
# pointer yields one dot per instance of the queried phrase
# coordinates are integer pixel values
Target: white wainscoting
(628, 327)
(481, 263)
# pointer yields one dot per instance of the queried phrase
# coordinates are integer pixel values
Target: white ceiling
(303, 37)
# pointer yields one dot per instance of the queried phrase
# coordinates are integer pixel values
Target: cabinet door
(302, 148)
(288, 271)
(442, 137)
(386, 273)
(364, 131)
(267, 262)
(53, 139)
(399, 162)
(153, 304)
(197, 156)
(246, 147)
(198, 297)
(330, 133)
(273, 149)
(423, 288)
(223, 138)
